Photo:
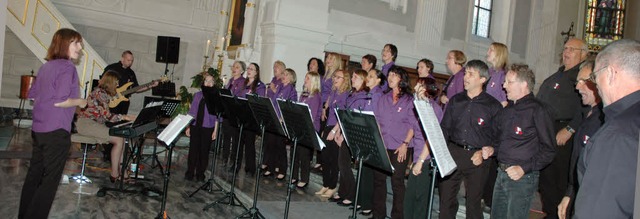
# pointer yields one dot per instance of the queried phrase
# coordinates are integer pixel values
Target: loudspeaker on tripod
(168, 49)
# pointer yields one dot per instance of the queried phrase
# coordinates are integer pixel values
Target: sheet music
(320, 141)
(174, 128)
(437, 143)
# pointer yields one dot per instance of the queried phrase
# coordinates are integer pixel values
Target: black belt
(503, 166)
(467, 147)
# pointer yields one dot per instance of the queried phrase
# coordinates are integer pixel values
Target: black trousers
(416, 200)
(555, 177)
(366, 187)
(275, 153)
(329, 161)
(199, 146)
(474, 178)
(302, 164)
(347, 189)
(492, 173)
(397, 186)
(229, 143)
(248, 149)
(50, 153)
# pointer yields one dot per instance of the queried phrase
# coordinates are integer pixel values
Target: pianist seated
(91, 120)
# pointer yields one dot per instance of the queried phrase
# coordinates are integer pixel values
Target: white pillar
(3, 26)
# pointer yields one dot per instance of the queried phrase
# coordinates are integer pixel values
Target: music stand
(168, 137)
(265, 114)
(243, 118)
(213, 102)
(166, 110)
(362, 135)
(299, 125)
(441, 161)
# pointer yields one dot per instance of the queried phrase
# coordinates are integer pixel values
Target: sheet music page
(174, 128)
(154, 103)
(437, 143)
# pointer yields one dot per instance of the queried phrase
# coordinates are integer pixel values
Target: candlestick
(219, 44)
(206, 49)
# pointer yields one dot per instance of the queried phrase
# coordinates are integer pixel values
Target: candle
(219, 44)
(206, 49)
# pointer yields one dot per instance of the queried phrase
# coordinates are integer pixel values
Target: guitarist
(125, 74)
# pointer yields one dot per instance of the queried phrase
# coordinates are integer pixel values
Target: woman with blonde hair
(92, 119)
(497, 58)
(312, 97)
(337, 98)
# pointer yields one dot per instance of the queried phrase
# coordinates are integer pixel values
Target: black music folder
(362, 134)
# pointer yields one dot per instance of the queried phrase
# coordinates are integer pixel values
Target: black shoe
(341, 203)
(280, 177)
(351, 207)
(267, 173)
(366, 212)
(302, 186)
(334, 199)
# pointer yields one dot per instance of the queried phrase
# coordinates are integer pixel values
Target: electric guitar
(122, 91)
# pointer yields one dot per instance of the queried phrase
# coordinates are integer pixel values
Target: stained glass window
(481, 18)
(604, 22)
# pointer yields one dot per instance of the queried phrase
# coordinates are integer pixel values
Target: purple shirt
(236, 86)
(315, 105)
(335, 100)
(56, 82)
(386, 67)
(360, 100)
(209, 120)
(260, 89)
(494, 86)
(455, 84)
(287, 92)
(395, 120)
(325, 89)
(269, 93)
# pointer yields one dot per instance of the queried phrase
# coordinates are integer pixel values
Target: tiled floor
(80, 201)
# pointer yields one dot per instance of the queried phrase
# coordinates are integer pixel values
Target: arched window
(604, 22)
(481, 18)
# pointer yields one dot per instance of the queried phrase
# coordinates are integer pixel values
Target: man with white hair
(607, 167)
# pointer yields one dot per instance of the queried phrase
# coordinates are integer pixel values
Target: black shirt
(590, 124)
(125, 75)
(559, 94)
(469, 121)
(526, 136)
(607, 166)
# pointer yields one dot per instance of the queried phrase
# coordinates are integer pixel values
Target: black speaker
(168, 49)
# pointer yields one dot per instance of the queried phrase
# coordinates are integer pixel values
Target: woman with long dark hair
(395, 113)
(252, 85)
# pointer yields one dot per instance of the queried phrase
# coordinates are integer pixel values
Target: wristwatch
(570, 129)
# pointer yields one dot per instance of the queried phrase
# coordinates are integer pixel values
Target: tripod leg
(254, 212)
(290, 185)
(230, 196)
(355, 202)
(434, 171)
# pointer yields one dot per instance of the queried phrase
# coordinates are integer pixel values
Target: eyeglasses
(571, 49)
(594, 74)
(585, 80)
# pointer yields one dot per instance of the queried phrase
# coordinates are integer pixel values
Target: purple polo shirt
(360, 100)
(386, 67)
(494, 86)
(419, 138)
(209, 120)
(335, 100)
(269, 93)
(236, 86)
(287, 92)
(315, 105)
(325, 89)
(260, 90)
(56, 82)
(456, 84)
(395, 120)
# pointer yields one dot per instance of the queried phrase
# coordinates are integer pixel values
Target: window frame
(476, 9)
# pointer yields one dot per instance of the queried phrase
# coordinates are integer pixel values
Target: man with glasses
(558, 94)
(592, 120)
(607, 166)
(523, 147)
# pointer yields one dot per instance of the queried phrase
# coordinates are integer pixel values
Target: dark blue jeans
(512, 199)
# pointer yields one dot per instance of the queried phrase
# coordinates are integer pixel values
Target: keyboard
(128, 131)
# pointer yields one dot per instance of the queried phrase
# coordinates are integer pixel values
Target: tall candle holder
(204, 64)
